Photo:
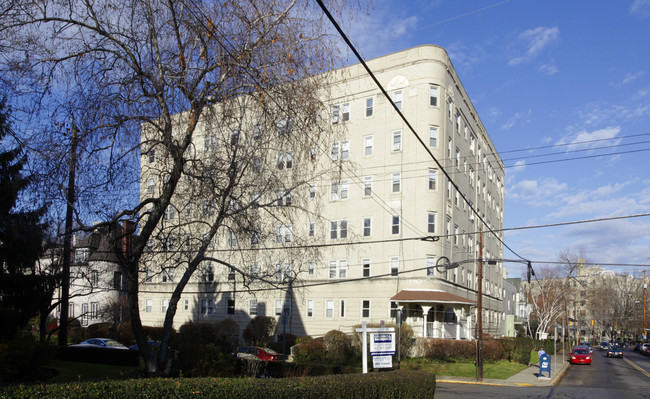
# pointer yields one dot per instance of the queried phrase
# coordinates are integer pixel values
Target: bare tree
(227, 96)
(547, 296)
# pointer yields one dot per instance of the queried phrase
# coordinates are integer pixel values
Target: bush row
(395, 384)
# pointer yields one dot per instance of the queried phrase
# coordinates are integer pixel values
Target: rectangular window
(433, 179)
(433, 136)
(394, 309)
(334, 191)
(333, 269)
(430, 265)
(210, 143)
(395, 224)
(343, 269)
(186, 305)
(152, 156)
(397, 99)
(257, 131)
(345, 112)
(397, 140)
(365, 308)
(367, 227)
(369, 106)
(285, 160)
(368, 144)
(94, 308)
(365, 264)
(394, 266)
(230, 306)
(310, 308)
(163, 305)
(278, 307)
(329, 308)
(457, 158)
(336, 111)
(168, 275)
(312, 191)
(148, 276)
(397, 182)
(84, 314)
(338, 229)
(234, 137)
(433, 96)
(94, 278)
(367, 186)
(312, 229)
(71, 310)
(431, 222)
(345, 150)
(252, 307)
(150, 185)
(344, 189)
(456, 234)
(342, 308)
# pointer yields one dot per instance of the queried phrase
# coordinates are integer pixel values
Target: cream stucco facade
(384, 196)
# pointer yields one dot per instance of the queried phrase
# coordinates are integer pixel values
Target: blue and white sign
(382, 344)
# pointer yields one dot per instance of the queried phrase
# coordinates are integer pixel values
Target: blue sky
(567, 78)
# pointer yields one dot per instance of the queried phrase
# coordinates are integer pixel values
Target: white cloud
(548, 69)
(640, 8)
(587, 140)
(536, 192)
(519, 118)
(537, 40)
(631, 77)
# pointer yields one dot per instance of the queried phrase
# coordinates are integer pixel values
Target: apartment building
(378, 219)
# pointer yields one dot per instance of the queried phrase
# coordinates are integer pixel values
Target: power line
(408, 124)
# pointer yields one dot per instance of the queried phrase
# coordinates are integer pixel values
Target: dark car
(580, 355)
(258, 353)
(615, 351)
(603, 345)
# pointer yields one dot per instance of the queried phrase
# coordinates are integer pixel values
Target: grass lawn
(497, 370)
(78, 371)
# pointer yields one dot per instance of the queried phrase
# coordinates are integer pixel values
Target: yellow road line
(631, 363)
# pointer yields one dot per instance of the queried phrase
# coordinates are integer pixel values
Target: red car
(258, 353)
(580, 356)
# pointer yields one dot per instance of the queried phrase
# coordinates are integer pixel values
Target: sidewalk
(529, 377)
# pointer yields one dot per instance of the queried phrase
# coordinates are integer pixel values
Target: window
(333, 266)
(365, 308)
(311, 268)
(471, 176)
(257, 131)
(431, 222)
(94, 278)
(368, 143)
(395, 224)
(151, 183)
(339, 229)
(234, 137)
(71, 310)
(285, 126)
(456, 234)
(84, 314)
(278, 307)
(448, 228)
(433, 96)
(285, 160)
(433, 136)
(230, 306)
(394, 266)
(457, 158)
(208, 208)
(169, 213)
(255, 270)
(284, 198)
(367, 227)
(252, 307)
(340, 150)
(186, 305)
(345, 112)
(397, 140)
(367, 186)
(312, 229)
(168, 275)
(329, 308)
(336, 111)
(430, 265)
(210, 143)
(458, 122)
(397, 99)
(312, 191)
(339, 190)
(94, 307)
(342, 308)
(397, 182)
(343, 269)
(365, 266)
(310, 308)
(152, 156)
(394, 309)
(148, 276)
(283, 234)
(163, 305)
(370, 102)
(433, 179)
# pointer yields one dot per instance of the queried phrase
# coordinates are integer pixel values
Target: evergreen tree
(21, 237)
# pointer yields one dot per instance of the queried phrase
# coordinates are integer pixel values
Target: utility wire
(408, 124)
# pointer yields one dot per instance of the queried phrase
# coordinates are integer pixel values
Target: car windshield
(113, 343)
(581, 352)
(615, 348)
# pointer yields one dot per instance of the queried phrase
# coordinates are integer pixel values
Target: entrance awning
(430, 296)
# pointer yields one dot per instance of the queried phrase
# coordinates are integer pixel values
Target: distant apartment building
(378, 209)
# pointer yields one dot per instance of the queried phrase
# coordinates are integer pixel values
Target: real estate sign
(382, 344)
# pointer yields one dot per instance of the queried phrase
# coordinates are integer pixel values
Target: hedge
(395, 384)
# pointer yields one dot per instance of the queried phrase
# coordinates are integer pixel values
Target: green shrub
(310, 351)
(385, 385)
(338, 346)
(450, 349)
(205, 349)
(517, 349)
(259, 330)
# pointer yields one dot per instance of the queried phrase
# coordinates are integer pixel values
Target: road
(606, 378)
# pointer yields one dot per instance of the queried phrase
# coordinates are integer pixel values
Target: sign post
(382, 346)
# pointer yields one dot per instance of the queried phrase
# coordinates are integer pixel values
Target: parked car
(615, 351)
(100, 343)
(637, 347)
(258, 353)
(603, 345)
(645, 348)
(580, 355)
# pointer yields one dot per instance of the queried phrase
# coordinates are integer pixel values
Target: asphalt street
(605, 378)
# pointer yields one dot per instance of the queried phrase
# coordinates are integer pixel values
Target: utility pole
(645, 286)
(479, 310)
(67, 242)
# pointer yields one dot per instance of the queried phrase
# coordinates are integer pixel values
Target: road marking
(631, 363)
